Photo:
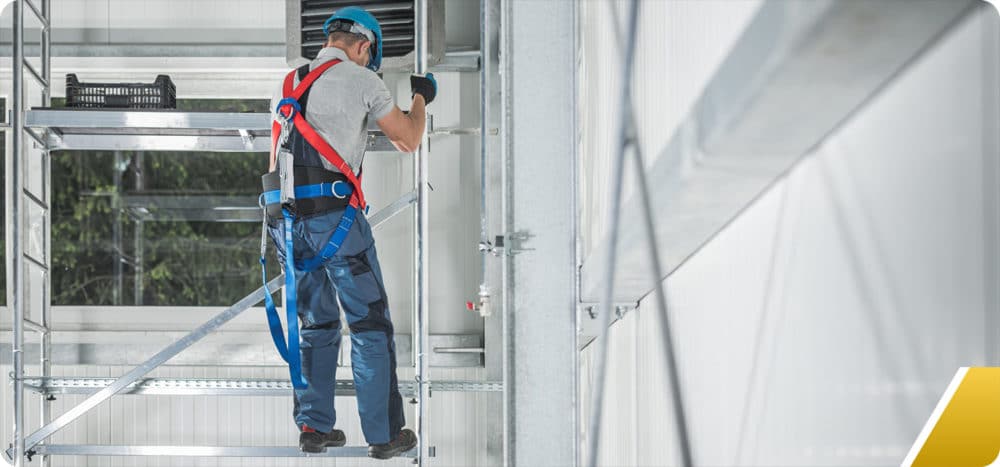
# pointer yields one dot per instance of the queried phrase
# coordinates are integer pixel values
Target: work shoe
(311, 440)
(404, 441)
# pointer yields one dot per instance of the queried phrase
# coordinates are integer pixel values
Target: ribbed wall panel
(680, 44)
(822, 325)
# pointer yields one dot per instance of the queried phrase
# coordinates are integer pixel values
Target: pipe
(46, 340)
(14, 190)
(421, 302)
(613, 217)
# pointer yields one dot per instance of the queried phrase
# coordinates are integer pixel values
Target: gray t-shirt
(340, 103)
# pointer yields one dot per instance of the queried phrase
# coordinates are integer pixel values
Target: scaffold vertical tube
(421, 213)
(46, 338)
(14, 189)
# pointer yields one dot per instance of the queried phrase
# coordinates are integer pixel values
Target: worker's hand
(425, 86)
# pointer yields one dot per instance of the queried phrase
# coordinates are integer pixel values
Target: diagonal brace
(138, 372)
(177, 347)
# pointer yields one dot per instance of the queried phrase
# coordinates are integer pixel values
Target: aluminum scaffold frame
(178, 131)
(18, 237)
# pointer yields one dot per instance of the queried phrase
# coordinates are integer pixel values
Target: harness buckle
(333, 189)
(286, 121)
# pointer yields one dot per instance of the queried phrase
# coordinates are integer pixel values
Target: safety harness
(289, 116)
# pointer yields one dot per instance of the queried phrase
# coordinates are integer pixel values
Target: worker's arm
(406, 130)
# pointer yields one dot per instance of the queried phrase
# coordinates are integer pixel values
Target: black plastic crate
(160, 95)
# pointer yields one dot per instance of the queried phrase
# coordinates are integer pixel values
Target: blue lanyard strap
(289, 350)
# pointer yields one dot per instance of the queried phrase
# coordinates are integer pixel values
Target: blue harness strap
(338, 189)
(289, 349)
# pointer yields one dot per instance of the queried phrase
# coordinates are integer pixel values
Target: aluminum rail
(136, 130)
(15, 186)
(421, 218)
(201, 451)
(229, 387)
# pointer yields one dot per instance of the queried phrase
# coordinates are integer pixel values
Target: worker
(321, 114)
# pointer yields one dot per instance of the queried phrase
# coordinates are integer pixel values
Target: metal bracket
(516, 240)
(247, 138)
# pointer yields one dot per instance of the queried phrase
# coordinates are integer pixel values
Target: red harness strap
(310, 134)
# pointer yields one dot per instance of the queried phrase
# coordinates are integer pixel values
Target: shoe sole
(390, 454)
(322, 449)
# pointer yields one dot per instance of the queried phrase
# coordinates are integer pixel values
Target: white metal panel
(820, 327)
(680, 44)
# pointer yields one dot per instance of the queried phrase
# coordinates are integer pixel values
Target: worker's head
(356, 46)
(357, 33)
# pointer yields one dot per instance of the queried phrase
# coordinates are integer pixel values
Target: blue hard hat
(357, 20)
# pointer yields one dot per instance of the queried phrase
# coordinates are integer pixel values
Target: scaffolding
(28, 213)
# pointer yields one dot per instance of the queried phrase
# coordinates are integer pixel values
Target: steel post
(421, 217)
(46, 318)
(15, 291)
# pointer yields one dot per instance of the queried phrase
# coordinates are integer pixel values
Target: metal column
(15, 223)
(21, 219)
(491, 223)
(539, 71)
(421, 302)
(46, 318)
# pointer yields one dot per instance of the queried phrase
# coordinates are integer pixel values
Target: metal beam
(229, 387)
(130, 130)
(222, 349)
(799, 70)
(542, 380)
(200, 451)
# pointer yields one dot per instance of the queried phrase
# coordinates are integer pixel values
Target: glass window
(157, 228)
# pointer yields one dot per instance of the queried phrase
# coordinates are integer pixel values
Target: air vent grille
(395, 17)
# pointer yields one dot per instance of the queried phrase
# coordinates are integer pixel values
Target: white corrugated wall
(821, 326)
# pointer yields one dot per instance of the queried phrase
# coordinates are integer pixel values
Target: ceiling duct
(304, 29)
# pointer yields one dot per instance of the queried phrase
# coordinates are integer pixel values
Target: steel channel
(156, 360)
(15, 295)
(421, 224)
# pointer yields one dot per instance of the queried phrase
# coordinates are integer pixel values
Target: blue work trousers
(353, 276)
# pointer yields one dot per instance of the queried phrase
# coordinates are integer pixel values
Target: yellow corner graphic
(964, 429)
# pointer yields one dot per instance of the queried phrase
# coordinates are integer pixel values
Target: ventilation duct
(304, 29)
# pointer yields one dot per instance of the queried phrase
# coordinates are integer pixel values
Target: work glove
(425, 86)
